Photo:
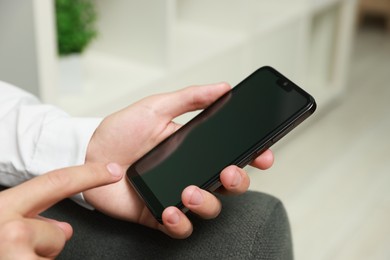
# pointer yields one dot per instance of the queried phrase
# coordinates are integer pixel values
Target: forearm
(14, 160)
(37, 138)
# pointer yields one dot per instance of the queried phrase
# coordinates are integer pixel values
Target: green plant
(75, 20)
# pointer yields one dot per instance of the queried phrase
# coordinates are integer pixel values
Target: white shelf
(106, 78)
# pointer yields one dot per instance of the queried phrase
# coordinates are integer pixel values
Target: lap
(250, 226)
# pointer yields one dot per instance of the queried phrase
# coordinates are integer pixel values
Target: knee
(273, 239)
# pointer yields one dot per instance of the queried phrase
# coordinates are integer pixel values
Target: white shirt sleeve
(36, 138)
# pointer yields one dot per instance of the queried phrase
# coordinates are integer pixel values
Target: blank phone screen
(228, 132)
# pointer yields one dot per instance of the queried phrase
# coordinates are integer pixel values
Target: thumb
(188, 99)
(64, 226)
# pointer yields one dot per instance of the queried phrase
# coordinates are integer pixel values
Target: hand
(125, 136)
(24, 234)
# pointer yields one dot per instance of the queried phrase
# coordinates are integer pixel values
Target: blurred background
(332, 173)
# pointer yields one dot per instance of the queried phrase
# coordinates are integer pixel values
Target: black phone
(234, 130)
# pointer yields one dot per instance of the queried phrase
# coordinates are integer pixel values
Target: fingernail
(173, 218)
(196, 197)
(236, 180)
(114, 169)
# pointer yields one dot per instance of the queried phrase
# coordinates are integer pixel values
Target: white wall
(144, 48)
(18, 56)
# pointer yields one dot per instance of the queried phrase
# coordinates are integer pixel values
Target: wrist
(94, 151)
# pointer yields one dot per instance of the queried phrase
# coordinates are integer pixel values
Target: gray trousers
(251, 226)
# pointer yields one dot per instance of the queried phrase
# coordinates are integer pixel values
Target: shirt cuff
(66, 139)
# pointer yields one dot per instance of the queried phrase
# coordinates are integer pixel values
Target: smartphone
(233, 130)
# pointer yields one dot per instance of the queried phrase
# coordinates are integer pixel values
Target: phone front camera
(285, 84)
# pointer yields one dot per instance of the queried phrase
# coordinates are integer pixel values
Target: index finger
(40, 193)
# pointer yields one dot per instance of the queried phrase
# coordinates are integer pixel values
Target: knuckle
(199, 99)
(58, 179)
(16, 232)
(95, 174)
(95, 170)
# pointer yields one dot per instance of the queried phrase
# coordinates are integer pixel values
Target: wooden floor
(334, 176)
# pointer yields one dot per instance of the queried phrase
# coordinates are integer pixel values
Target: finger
(201, 202)
(264, 160)
(66, 227)
(33, 237)
(234, 180)
(38, 194)
(176, 223)
(189, 99)
(48, 239)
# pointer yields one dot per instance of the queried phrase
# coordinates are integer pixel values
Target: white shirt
(36, 138)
